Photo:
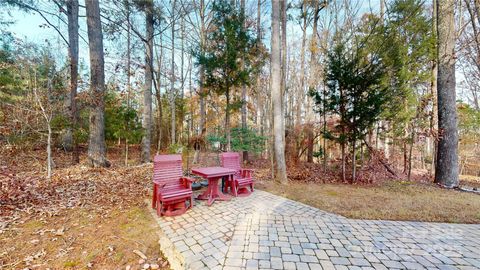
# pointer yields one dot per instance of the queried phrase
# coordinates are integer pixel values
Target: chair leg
(154, 196)
(175, 209)
(159, 208)
(235, 188)
(244, 190)
(226, 185)
(191, 202)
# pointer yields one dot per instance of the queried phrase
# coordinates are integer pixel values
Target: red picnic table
(213, 174)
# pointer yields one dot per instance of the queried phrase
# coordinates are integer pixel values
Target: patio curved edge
(266, 231)
(173, 256)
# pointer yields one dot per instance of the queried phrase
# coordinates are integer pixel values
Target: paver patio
(265, 231)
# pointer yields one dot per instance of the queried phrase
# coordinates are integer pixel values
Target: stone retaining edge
(174, 258)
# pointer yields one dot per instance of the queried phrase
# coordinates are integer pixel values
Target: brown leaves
(30, 192)
(372, 171)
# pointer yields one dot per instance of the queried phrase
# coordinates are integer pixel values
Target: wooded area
(343, 84)
(366, 109)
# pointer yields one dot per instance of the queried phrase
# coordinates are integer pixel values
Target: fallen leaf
(140, 254)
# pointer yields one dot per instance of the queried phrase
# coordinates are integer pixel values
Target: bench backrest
(230, 160)
(167, 170)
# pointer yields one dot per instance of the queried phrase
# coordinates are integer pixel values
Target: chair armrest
(158, 185)
(187, 181)
(246, 172)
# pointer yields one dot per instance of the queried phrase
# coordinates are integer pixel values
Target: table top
(209, 172)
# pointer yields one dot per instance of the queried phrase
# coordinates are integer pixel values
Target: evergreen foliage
(243, 139)
(121, 122)
(231, 59)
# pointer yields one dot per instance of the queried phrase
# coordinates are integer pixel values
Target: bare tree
(47, 114)
(126, 3)
(275, 84)
(173, 94)
(72, 16)
(201, 71)
(244, 87)
(96, 145)
(283, 47)
(301, 90)
(433, 92)
(68, 139)
(312, 80)
(446, 172)
(158, 96)
(470, 51)
(147, 91)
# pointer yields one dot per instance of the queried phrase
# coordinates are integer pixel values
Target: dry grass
(80, 239)
(470, 181)
(391, 201)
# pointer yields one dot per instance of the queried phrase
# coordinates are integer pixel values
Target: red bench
(171, 190)
(242, 179)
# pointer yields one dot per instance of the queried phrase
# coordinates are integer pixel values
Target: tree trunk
(244, 88)
(259, 115)
(158, 96)
(147, 91)
(202, 128)
(362, 156)
(412, 138)
(201, 71)
(312, 79)
(301, 92)
(181, 132)
(344, 175)
(405, 156)
(172, 80)
(382, 10)
(343, 132)
(190, 90)
(126, 152)
(310, 142)
(129, 64)
(275, 81)
(433, 92)
(227, 119)
(72, 16)
(49, 151)
(354, 161)
(446, 172)
(283, 49)
(324, 130)
(386, 141)
(96, 146)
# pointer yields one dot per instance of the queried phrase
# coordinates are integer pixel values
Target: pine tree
(354, 92)
(96, 145)
(229, 44)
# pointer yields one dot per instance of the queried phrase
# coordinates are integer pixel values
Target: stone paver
(265, 231)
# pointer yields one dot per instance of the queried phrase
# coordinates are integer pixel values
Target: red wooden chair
(171, 190)
(242, 180)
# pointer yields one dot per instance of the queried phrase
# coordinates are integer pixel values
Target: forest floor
(97, 218)
(82, 218)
